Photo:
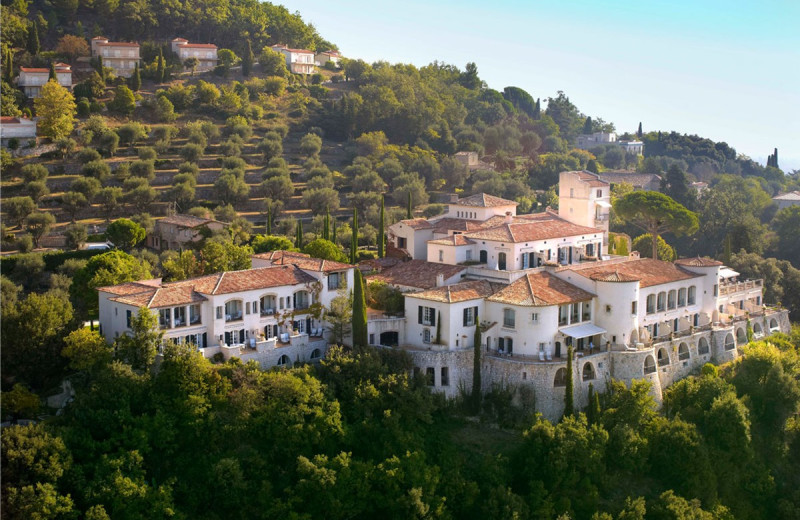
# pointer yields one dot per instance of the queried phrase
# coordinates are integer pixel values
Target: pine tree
(476, 367)
(160, 72)
(359, 324)
(381, 238)
(33, 39)
(269, 220)
(247, 60)
(409, 211)
(52, 72)
(136, 79)
(569, 392)
(354, 238)
(639, 131)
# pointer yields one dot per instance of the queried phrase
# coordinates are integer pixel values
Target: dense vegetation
(307, 163)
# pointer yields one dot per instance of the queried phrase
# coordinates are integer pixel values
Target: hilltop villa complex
(534, 284)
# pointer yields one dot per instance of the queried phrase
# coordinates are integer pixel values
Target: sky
(728, 71)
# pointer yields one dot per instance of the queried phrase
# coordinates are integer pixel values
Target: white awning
(584, 330)
(602, 204)
(727, 272)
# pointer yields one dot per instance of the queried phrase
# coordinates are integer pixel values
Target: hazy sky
(726, 70)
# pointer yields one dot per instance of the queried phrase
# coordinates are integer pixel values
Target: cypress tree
(298, 243)
(622, 246)
(247, 60)
(775, 159)
(52, 72)
(587, 125)
(590, 416)
(569, 393)
(101, 68)
(439, 328)
(380, 232)
(136, 79)
(269, 220)
(359, 312)
(537, 112)
(639, 131)
(326, 225)
(333, 231)
(33, 39)
(9, 65)
(476, 367)
(160, 71)
(409, 210)
(354, 238)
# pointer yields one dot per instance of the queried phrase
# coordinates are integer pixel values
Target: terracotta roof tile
(303, 261)
(792, 195)
(614, 276)
(447, 224)
(167, 296)
(261, 278)
(592, 179)
(541, 229)
(417, 223)
(698, 262)
(417, 273)
(198, 46)
(117, 44)
(483, 200)
(460, 292)
(452, 240)
(131, 287)
(649, 272)
(539, 290)
(188, 221)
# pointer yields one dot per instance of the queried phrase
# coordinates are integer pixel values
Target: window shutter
(433, 317)
(419, 316)
(466, 316)
(475, 314)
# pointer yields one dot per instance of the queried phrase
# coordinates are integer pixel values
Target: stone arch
(663, 357)
(649, 365)
(561, 377)
(773, 324)
(702, 346)
(283, 360)
(315, 353)
(757, 329)
(730, 344)
(588, 372)
(741, 336)
(683, 351)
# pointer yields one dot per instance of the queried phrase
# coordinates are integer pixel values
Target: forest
(323, 164)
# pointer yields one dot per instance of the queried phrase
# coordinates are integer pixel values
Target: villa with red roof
(31, 79)
(206, 53)
(19, 128)
(298, 61)
(120, 56)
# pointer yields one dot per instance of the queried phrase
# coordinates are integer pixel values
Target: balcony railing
(234, 316)
(732, 288)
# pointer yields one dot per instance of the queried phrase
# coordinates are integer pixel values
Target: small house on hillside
(30, 79)
(19, 128)
(321, 58)
(298, 61)
(176, 231)
(120, 56)
(787, 200)
(206, 53)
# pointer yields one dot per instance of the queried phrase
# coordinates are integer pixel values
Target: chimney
(439, 280)
(453, 198)
(509, 218)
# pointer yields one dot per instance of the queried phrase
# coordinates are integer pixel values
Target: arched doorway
(741, 336)
(683, 352)
(702, 346)
(501, 261)
(663, 357)
(729, 343)
(483, 256)
(757, 330)
(649, 365)
(588, 372)
(561, 377)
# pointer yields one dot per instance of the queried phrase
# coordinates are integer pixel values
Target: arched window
(663, 357)
(649, 365)
(702, 346)
(757, 330)
(661, 302)
(741, 336)
(682, 297)
(233, 310)
(315, 353)
(729, 343)
(651, 304)
(283, 360)
(501, 261)
(671, 299)
(692, 295)
(483, 256)
(561, 377)
(773, 324)
(588, 372)
(302, 299)
(683, 351)
(268, 304)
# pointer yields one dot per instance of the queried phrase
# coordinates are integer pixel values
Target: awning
(584, 330)
(602, 203)
(727, 272)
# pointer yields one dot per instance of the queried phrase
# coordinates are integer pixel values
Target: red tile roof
(539, 290)
(417, 273)
(188, 221)
(698, 262)
(417, 223)
(590, 178)
(260, 278)
(180, 40)
(198, 45)
(303, 261)
(281, 46)
(452, 240)
(117, 44)
(483, 200)
(45, 71)
(614, 276)
(528, 232)
(649, 272)
(460, 292)
(447, 224)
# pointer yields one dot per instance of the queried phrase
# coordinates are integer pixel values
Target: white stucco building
(206, 53)
(298, 61)
(120, 56)
(31, 80)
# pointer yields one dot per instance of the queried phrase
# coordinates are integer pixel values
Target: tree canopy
(655, 213)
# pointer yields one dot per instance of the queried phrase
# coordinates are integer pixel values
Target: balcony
(233, 317)
(738, 287)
